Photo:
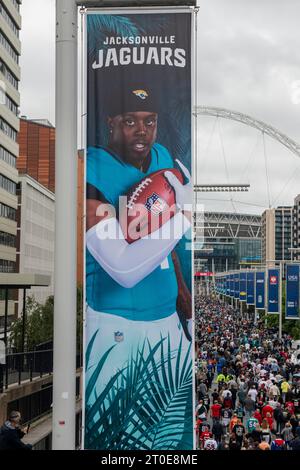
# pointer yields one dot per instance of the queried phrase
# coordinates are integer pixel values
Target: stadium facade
(226, 241)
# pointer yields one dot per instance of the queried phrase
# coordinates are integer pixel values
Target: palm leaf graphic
(101, 26)
(147, 405)
(89, 349)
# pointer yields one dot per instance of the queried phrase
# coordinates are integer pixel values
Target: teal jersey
(154, 297)
(251, 424)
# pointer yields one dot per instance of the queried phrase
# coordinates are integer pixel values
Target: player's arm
(184, 200)
(128, 263)
(184, 298)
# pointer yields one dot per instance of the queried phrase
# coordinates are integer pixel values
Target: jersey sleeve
(98, 172)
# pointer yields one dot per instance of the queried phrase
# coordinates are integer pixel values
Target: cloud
(248, 61)
(38, 59)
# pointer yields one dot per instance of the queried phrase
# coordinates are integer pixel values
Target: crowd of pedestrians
(248, 382)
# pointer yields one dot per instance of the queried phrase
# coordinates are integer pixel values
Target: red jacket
(267, 409)
(216, 410)
(205, 435)
(290, 407)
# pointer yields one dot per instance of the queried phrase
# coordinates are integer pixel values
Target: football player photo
(139, 307)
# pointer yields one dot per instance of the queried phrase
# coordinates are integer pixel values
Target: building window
(7, 266)
(8, 157)
(10, 295)
(8, 185)
(9, 75)
(8, 212)
(8, 102)
(9, 19)
(6, 44)
(8, 130)
(7, 239)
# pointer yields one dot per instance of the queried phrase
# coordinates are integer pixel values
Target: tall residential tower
(10, 49)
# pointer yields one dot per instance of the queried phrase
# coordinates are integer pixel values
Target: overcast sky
(248, 61)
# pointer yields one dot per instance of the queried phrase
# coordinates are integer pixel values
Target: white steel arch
(252, 122)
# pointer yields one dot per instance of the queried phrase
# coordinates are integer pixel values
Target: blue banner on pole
(260, 290)
(243, 287)
(273, 291)
(250, 289)
(228, 285)
(292, 291)
(231, 285)
(236, 286)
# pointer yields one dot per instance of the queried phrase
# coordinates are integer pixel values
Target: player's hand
(183, 192)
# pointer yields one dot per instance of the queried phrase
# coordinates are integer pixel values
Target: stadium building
(226, 241)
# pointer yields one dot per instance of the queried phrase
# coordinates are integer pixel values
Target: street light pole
(64, 366)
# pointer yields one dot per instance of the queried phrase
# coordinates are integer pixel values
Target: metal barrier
(21, 367)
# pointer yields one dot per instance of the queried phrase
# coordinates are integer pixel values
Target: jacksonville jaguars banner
(138, 329)
(292, 291)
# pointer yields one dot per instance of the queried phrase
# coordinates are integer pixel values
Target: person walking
(279, 417)
(215, 411)
(249, 407)
(239, 432)
(218, 430)
(285, 387)
(265, 430)
(287, 434)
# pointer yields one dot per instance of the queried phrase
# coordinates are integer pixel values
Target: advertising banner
(273, 290)
(228, 285)
(292, 291)
(237, 286)
(139, 194)
(231, 285)
(223, 291)
(250, 288)
(243, 287)
(260, 290)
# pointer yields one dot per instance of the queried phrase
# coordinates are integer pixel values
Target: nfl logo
(119, 336)
(155, 204)
(273, 280)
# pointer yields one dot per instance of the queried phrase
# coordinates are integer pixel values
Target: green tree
(39, 323)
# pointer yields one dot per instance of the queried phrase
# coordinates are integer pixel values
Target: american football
(149, 204)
